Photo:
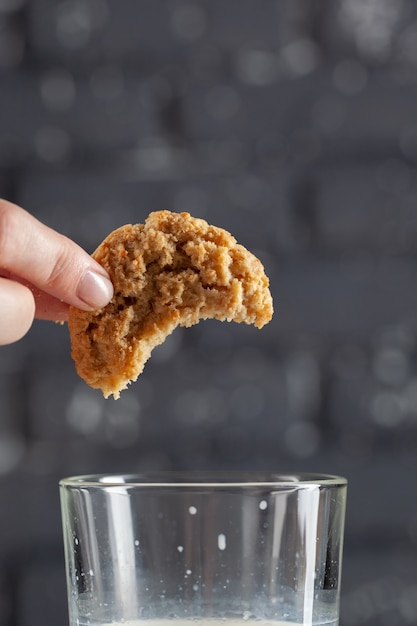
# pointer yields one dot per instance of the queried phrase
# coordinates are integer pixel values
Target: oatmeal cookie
(174, 270)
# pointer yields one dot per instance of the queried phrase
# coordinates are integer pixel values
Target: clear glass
(203, 547)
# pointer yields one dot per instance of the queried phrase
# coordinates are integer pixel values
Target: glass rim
(205, 479)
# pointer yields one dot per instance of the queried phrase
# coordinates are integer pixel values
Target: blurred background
(293, 124)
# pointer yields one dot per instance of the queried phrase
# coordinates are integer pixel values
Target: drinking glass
(221, 548)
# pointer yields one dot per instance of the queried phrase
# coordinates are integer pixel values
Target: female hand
(42, 273)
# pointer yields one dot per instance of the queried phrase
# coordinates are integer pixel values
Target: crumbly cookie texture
(174, 270)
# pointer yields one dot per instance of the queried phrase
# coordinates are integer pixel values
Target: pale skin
(42, 273)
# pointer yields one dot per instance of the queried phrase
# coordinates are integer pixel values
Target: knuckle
(60, 268)
(7, 225)
(17, 311)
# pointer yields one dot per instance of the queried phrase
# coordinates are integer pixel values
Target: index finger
(50, 261)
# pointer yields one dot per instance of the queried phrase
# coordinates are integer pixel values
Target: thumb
(54, 264)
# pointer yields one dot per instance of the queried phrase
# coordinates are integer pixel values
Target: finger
(17, 310)
(49, 261)
(48, 307)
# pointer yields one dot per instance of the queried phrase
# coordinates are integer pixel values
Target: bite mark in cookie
(174, 270)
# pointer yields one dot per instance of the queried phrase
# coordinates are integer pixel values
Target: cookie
(174, 270)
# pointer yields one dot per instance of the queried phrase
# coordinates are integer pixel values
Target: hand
(42, 273)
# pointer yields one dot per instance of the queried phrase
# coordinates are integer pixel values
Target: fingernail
(94, 290)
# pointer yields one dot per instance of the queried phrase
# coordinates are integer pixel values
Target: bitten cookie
(174, 270)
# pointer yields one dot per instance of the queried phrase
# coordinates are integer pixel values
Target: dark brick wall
(292, 123)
